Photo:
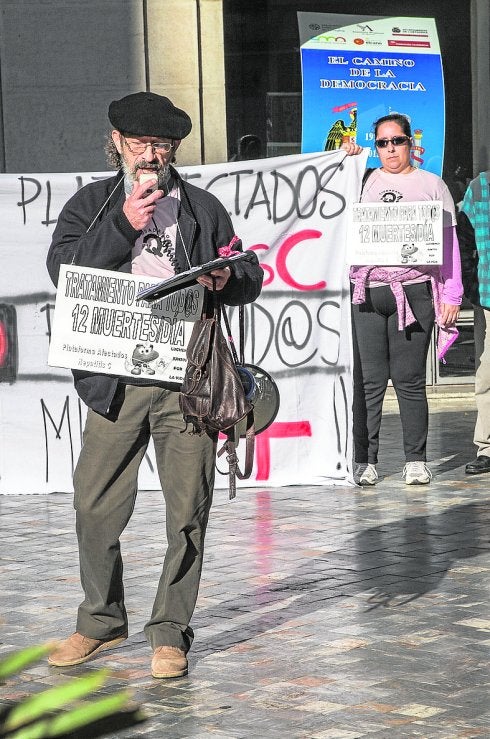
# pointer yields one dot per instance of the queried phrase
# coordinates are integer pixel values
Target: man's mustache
(162, 172)
(143, 164)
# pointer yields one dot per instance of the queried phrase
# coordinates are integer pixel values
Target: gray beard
(131, 174)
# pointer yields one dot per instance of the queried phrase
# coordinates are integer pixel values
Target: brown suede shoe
(168, 662)
(78, 648)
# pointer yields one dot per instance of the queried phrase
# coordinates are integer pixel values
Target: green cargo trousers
(105, 483)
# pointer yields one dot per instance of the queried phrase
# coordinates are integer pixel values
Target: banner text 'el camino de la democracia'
(354, 75)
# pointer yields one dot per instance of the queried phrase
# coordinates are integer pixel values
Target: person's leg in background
(479, 332)
(359, 413)
(481, 436)
(408, 357)
(371, 375)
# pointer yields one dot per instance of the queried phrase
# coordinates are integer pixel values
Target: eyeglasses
(395, 140)
(158, 147)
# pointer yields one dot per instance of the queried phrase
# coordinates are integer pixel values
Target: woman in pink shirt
(394, 309)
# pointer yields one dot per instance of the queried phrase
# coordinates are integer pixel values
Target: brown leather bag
(212, 396)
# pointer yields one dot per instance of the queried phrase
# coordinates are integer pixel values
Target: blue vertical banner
(354, 75)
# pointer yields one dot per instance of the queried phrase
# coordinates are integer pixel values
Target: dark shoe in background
(478, 465)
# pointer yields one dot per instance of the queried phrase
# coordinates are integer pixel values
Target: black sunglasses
(395, 140)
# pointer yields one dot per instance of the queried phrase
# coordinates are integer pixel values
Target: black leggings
(382, 352)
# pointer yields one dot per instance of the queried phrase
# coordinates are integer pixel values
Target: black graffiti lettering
(280, 177)
(259, 185)
(341, 414)
(237, 188)
(293, 332)
(23, 202)
(186, 176)
(282, 196)
(48, 222)
(236, 175)
(256, 320)
(294, 319)
(323, 181)
(316, 189)
(47, 416)
(323, 311)
(220, 176)
(27, 198)
(47, 308)
(288, 196)
(71, 434)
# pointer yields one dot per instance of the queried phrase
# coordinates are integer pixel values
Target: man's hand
(449, 315)
(221, 277)
(139, 206)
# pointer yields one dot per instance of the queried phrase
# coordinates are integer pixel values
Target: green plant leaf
(35, 731)
(76, 718)
(54, 698)
(17, 661)
(90, 712)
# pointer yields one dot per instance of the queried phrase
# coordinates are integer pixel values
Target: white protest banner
(293, 212)
(99, 325)
(408, 233)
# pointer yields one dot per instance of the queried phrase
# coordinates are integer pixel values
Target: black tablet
(187, 278)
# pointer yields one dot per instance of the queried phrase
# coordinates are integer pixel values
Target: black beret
(149, 114)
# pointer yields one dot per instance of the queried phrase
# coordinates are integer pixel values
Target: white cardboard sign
(100, 326)
(404, 233)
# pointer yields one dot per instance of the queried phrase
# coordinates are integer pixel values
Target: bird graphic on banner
(339, 131)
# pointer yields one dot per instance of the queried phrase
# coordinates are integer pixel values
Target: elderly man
(145, 220)
(474, 242)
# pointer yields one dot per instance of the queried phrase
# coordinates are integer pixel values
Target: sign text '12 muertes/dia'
(100, 326)
(408, 233)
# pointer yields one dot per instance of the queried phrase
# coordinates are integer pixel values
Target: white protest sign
(393, 234)
(99, 325)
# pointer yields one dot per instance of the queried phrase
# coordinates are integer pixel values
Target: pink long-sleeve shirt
(446, 279)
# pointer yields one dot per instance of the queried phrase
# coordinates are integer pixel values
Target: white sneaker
(365, 474)
(416, 473)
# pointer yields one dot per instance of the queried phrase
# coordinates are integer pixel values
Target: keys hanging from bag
(212, 396)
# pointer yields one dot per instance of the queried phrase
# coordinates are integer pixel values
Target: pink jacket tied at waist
(394, 278)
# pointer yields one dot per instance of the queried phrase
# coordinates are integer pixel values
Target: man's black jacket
(469, 258)
(204, 226)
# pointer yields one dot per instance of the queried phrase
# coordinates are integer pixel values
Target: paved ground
(324, 612)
